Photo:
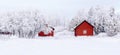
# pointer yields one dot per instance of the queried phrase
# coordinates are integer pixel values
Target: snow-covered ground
(51, 46)
(63, 43)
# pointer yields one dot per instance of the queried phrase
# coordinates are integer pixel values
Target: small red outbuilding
(84, 29)
(43, 34)
(46, 31)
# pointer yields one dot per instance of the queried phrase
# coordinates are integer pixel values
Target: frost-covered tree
(98, 16)
(111, 27)
(97, 19)
(81, 16)
(112, 23)
(105, 20)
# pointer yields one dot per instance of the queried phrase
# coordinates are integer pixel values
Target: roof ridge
(83, 22)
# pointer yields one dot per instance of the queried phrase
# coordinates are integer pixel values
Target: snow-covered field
(63, 43)
(52, 46)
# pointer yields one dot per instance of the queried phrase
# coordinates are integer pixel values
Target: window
(84, 31)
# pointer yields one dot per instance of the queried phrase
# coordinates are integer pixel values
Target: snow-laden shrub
(111, 32)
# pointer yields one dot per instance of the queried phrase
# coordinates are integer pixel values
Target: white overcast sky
(67, 8)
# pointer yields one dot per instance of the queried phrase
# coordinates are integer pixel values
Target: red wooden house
(84, 29)
(49, 32)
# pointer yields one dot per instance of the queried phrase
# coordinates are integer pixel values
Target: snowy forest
(24, 23)
(27, 23)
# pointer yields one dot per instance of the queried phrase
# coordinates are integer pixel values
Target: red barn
(84, 29)
(50, 32)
